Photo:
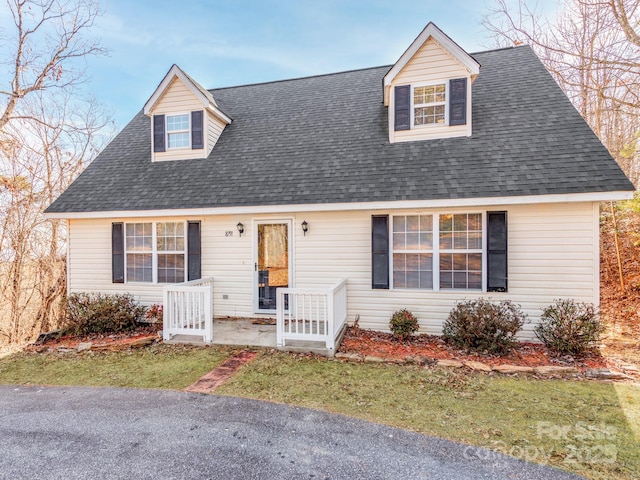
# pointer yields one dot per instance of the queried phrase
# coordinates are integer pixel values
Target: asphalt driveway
(70, 433)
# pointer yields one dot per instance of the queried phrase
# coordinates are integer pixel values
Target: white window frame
(425, 251)
(187, 131)
(155, 252)
(481, 250)
(433, 104)
(436, 251)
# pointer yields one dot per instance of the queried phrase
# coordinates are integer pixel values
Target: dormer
(186, 121)
(428, 90)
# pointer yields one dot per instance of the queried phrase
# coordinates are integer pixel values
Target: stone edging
(544, 371)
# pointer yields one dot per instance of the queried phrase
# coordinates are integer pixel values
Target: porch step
(190, 339)
(316, 348)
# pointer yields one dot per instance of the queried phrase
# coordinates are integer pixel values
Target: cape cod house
(444, 176)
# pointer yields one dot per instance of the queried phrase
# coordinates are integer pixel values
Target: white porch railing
(188, 309)
(316, 315)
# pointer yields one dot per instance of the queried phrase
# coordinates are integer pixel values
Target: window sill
(431, 125)
(442, 290)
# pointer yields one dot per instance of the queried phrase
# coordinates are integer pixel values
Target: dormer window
(178, 131)
(429, 104)
(186, 121)
(441, 104)
(173, 132)
(428, 90)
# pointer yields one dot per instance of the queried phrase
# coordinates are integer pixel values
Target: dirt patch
(620, 306)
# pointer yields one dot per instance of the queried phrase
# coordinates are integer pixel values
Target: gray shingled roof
(324, 139)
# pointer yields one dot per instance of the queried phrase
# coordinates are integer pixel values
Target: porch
(307, 320)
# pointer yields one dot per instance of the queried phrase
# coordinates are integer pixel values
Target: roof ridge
(299, 78)
(305, 77)
(511, 47)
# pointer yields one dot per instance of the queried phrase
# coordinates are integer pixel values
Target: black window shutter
(158, 133)
(197, 137)
(497, 251)
(193, 251)
(117, 252)
(458, 101)
(380, 251)
(402, 113)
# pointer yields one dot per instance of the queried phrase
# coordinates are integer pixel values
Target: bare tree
(591, 49)
(48, 133)
(49, 36)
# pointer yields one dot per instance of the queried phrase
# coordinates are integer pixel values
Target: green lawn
(591, 428)
(161, 366)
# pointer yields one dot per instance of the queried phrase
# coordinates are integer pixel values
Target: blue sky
(233, 42)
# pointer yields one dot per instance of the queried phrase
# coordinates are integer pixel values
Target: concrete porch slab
(243, 332)
(236, 331)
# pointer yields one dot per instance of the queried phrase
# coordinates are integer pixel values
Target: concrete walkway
(108, 433)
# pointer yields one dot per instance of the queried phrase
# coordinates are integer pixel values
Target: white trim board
(333, 207)
(207, 100)
(452, 48)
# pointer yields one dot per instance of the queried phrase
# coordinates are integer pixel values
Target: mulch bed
(99, 339)
(383, 345)
(368, 343)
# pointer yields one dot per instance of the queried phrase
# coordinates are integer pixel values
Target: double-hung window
(155, 252)
(413, 251)
(178, 131)
(439, 251)
(139, 248)
(430, 104)
(460, 251)
(170, 243)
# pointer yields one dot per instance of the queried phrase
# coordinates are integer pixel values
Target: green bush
(570, 327)
(99, 313)
(484, 326)
(403, 323)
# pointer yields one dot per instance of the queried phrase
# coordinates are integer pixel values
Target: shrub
(403, 323)
(99, 313)
(569, 327)
(484, 326)
(154, 313)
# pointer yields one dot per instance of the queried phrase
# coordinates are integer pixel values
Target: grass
(161, 366)
(591, 428)
(575, 425)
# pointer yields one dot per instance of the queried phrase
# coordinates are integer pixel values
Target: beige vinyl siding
(214, 130)
(90, 261)
(430, 64)
(178, 99)
(552, 251)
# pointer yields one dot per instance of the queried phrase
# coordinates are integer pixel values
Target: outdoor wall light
(305, 227)
(240, 227)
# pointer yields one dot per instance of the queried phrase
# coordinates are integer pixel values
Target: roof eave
(334, 207)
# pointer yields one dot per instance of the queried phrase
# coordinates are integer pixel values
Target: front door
(272, 266)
